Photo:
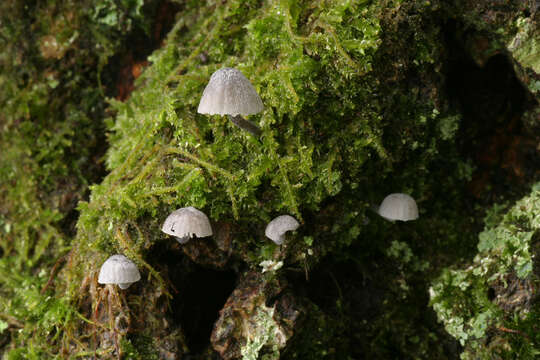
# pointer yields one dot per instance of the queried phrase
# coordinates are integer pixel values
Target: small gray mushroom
(119, 270)
(185, 223)
(230, 93)
(398, 207)
(276, 229)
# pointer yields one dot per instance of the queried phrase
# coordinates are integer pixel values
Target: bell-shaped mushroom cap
(276, 229)
(398, 207)
(187, 222)
(229, 92)
(118, 269)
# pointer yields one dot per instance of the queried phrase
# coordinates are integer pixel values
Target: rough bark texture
(100, 140)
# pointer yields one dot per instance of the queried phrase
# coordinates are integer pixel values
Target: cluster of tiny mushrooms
(230, 93)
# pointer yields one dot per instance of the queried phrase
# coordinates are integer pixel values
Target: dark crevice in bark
(199, 293)
(124, 67)
(196, 308)
(492, 101)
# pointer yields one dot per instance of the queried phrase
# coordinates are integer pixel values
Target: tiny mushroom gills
(276, 229)
(119, 270)
(398, 207)
(229, 92)
(185, 223)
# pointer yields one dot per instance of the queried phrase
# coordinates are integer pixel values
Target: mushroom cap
(186, 222)
(398, 207)
(229, 92)
(118, 269)
(276, 229)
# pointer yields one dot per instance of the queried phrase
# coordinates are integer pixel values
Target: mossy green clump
(51, 138)
(525, 45)
(332, 145)
(355, 108)
(462, 299)
(322, 131)
(163, 155)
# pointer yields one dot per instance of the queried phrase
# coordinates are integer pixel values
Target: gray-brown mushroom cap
(187, 222)
(229, 92)
(398, 207)
(119, 270)
(276, 229)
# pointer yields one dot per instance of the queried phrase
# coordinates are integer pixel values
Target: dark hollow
(491, 100)
(196, 307)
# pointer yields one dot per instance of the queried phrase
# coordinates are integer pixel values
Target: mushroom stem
(243, 124)
(183, 240)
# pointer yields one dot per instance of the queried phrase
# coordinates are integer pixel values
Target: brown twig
(12, 321)
(512, 331)
(54, 272)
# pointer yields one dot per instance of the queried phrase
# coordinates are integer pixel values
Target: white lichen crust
(398, 207)
(187, 222)
(118, 269)
(270, 265)
(276, 229)
(229, 92)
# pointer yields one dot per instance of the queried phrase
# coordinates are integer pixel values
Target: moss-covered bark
(362, 98)
(496, 295)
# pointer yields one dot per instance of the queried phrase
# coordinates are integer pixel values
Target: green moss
(50, 140)
(524, 45)
(140, 347)
(355, 108)
(329, 146)
(226, 173)
(460, 297)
